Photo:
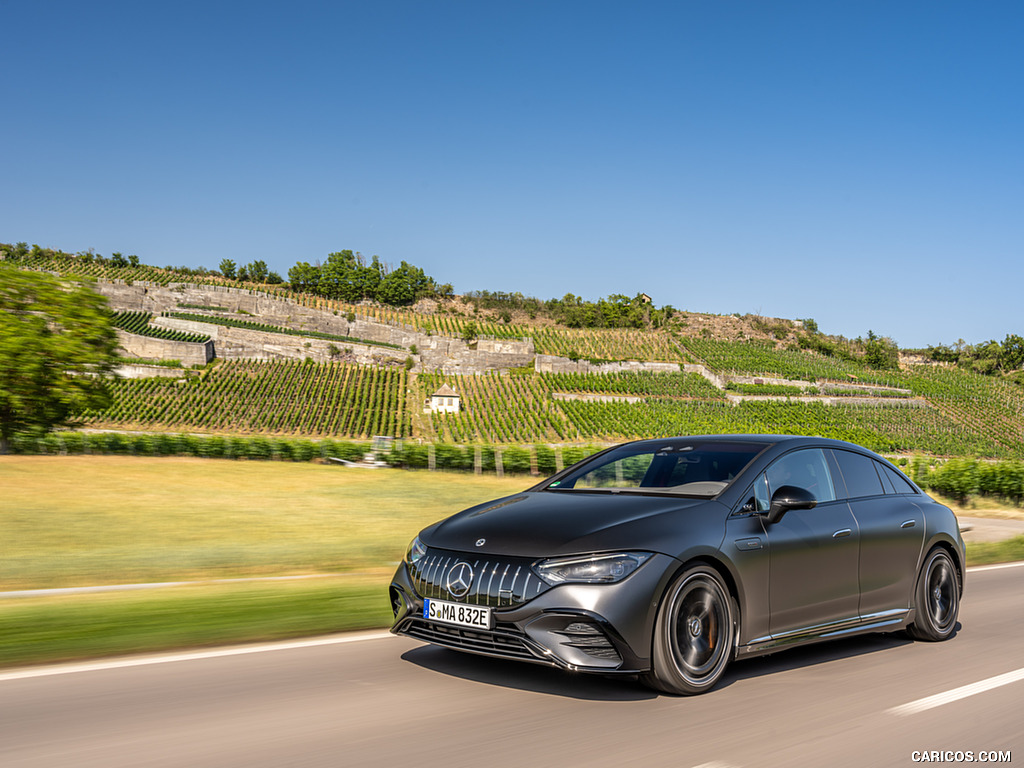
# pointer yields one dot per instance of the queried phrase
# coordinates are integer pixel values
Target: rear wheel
(693, 634)
(937, 598)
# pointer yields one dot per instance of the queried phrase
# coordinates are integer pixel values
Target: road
(376, 700)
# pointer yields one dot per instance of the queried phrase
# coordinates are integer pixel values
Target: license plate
(476, 616)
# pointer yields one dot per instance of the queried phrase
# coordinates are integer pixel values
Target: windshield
(687, 468)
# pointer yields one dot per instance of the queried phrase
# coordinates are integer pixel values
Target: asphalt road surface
(378, 700)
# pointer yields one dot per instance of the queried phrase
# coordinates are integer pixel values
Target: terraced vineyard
(687, 385)
(498, 409)
(281, 398)
(138, 323)
(753, 358)
(607, 344)
(231, 322)
(967, 415)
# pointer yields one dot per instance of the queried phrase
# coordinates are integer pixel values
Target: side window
(899, 482)
(805, 469)
(859, 473)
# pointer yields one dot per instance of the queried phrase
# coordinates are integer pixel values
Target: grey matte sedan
(669, 558)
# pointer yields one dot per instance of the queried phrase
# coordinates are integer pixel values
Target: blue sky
(860, 163)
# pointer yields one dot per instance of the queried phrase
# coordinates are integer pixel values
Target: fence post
(559, 464)
(499, 468)
(431, 457)
(478, 460)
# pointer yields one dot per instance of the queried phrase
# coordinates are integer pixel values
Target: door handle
(841, 533)
(747, 545)
(909, 523)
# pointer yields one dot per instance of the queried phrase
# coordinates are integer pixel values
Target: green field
(84, 520)
(100, 520)
(87, 520)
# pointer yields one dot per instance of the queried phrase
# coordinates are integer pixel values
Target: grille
(499, 582)
(498, 642)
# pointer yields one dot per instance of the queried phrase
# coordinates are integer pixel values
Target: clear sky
(861, 163)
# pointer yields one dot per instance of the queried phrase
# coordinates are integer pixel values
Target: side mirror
(789, 497)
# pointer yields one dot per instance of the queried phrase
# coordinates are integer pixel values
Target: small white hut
(445, 400)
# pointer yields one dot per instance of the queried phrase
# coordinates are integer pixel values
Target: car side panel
(891, 536)
(814, 567)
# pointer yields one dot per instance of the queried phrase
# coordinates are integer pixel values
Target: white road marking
(142, 661)
(957, 693)
(997, 567)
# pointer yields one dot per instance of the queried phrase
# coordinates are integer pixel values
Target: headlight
(590, 569)
(415, 552)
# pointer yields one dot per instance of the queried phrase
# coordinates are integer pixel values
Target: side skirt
(884, 621)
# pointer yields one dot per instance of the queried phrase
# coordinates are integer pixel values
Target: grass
(84, 520)
(50, 629)
(988, 552)
(90, 520)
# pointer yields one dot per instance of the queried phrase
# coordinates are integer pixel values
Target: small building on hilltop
(445, 400)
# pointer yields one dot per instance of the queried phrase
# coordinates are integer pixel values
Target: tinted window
(805, 469)
(859, 473)
(687, 467)
(901, 484)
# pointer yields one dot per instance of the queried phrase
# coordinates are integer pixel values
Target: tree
(403, 286)
(881, 353)
(57, 345)
(1011, 355)
(227, 268)
(257, 271)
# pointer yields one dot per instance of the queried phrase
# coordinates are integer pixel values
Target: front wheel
(693, 634)
(937, 598)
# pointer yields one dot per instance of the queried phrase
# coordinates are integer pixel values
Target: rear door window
(860, 474)
(899, 482)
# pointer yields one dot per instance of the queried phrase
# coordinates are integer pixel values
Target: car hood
(547, 523)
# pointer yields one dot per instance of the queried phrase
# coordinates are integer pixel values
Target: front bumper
(583, 627)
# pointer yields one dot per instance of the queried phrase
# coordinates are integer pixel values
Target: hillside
(275, 362)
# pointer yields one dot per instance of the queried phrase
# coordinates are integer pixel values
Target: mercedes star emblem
(460, 579)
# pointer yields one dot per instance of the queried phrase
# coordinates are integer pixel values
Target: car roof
(793, 441)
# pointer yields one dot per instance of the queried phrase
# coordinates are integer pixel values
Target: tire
(693, 633)
(937, 598)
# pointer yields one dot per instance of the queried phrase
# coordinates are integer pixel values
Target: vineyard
(249, 325)
(758, 358)
(966, 415)
(970, 414)
(685, 385)
(942, 411)
(138, 323)
(277, 398)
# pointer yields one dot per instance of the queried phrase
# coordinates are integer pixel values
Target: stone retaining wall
(189, 353)
(135, 371)
(434, 353)
(590, 398)
(893, 402)
(554, 364)
(235, 343)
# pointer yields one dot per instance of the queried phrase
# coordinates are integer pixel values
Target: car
(669, 558)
